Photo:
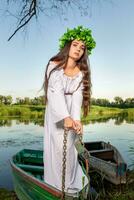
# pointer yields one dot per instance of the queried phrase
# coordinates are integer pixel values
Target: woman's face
(76, 49)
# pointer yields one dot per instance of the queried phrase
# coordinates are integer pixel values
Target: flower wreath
(78, 33)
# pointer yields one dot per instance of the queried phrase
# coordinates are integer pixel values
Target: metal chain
(64, 162)
(64, 159)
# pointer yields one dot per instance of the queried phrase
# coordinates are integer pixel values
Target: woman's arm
(56, 98)
(77, 99)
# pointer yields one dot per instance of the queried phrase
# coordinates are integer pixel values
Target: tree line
(118, 101)
(8, 100)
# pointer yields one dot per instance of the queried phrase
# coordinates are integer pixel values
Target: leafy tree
(27, 100)
(18, 100)
(129, 102)
(1, 99)
(118, 100)
(8, 100)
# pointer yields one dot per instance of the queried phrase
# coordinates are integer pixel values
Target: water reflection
(118, 119)
(20, 133)
(8, 122)
(18, 142)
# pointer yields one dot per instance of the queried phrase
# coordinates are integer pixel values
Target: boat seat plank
(101, 150)
(105, 154)
(32, 168)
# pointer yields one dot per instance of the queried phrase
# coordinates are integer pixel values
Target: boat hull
(28, 169)
(29, 188)
(107, 161)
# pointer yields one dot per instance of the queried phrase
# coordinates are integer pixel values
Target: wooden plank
(32, 168)
(105, 154)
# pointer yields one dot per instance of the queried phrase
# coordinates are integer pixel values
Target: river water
(16, 135)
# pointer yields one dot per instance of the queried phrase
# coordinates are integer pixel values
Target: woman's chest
(70, 84)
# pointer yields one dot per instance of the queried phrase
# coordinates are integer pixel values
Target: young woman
(67, 88)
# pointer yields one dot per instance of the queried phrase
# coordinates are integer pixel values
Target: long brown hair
(83, 63)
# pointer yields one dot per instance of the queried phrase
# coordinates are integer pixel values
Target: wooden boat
(28, 170)
(107, 160)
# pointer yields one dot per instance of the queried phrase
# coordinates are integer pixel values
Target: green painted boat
(27, 167)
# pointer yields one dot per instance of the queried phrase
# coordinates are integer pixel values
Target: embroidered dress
(60, 106)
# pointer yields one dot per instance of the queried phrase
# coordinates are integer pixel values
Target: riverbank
(27, 111)
(106, 190)
(37, 112)
(7, 195)
(109, 191)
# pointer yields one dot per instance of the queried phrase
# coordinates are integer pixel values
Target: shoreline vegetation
(101, 109)
(37, 112)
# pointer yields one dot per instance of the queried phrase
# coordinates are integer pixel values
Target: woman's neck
(71, 63)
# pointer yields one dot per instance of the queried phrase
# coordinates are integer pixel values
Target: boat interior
(100, 150)
(31, 161)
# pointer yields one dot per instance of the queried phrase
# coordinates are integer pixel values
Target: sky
(24, 58)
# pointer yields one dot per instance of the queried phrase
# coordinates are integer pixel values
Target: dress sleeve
(56, 97)
(77, 99)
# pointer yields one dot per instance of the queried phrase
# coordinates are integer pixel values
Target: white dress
(58, 107)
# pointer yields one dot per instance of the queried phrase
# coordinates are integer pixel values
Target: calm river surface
(16, 135)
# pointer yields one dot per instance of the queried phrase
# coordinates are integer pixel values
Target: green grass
(29, 111)
(108, 191)
(96, 113)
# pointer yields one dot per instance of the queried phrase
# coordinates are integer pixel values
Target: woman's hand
(68, 122)
(73, 124)
(77, 125)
